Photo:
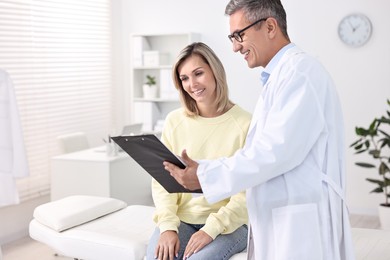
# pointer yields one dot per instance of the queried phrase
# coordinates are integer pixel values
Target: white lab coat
(13, 161)
(292, 167)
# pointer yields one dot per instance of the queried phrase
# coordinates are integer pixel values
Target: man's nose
(236, 45)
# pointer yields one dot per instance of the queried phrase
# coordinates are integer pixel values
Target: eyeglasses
(237, 35)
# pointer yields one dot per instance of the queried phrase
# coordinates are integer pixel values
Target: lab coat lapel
(255, 118)
(259, 112)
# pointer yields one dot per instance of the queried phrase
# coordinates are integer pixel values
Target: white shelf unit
(149, 111)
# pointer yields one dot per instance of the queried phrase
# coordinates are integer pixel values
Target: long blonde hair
(210, 58)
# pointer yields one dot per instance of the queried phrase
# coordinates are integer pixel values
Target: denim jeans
(223, 246)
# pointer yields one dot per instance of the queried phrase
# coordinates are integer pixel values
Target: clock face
(355, 30)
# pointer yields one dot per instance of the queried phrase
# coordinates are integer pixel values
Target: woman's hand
(168, 246)
(197, 241)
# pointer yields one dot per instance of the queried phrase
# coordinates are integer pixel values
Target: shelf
(154, 55)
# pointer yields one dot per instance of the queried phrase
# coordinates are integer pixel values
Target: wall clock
(355, 29)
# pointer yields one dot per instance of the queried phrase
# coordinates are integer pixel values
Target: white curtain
(58, 54)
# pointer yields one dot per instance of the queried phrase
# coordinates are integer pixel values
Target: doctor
(292, 165)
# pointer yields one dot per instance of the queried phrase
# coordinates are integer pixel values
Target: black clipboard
(150, 153)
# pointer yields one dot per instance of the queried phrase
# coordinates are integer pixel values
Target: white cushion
(72, 211)
(122, 235)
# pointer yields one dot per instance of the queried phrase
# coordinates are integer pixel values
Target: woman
(208, 125)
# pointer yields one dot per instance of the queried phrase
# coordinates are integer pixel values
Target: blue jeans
(223, 246)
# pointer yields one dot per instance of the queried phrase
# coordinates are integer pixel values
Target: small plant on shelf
(150, 80)
(150, 87)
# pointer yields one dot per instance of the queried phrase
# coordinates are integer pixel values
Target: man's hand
(168, 246)
(186, 177)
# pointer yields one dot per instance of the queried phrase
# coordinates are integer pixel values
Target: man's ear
(272, 26)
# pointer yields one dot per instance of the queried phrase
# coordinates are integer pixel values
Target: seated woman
(209, 126)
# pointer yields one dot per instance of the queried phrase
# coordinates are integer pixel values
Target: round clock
(355, 29)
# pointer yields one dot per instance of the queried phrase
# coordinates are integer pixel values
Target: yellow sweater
(204, 138)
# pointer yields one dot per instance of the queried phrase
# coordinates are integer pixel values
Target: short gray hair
(257, 9)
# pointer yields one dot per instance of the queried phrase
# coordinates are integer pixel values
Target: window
(58, 54)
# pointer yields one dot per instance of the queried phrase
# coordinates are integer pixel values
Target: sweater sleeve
(228, 218)
(166, 208)
(166, 203)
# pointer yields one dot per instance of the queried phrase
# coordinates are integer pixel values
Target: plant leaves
(361, 131)
(373, 126)
(365, 165)
(379, 141)
(356, 142)
(384, 120)
(383, 142)
(377, 190)
(383, 168)
(375, 153)
(384, 133)
(379, 182)
(361, 151)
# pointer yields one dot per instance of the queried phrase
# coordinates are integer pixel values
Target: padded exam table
(99, 228)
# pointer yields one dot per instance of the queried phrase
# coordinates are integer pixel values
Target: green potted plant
(375, 141)
(150, 87)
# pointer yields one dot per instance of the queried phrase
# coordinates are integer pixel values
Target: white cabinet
(154, 55)
(92, 172)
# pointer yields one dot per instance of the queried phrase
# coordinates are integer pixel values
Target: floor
(28, 249)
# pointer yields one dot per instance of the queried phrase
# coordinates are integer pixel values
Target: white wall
(361, 74)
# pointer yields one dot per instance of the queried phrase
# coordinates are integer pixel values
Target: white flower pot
(384, 217)
(150, 92)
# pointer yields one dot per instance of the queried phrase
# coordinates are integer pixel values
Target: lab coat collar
(274, 61)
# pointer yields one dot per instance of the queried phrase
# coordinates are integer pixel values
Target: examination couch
(97, 228)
